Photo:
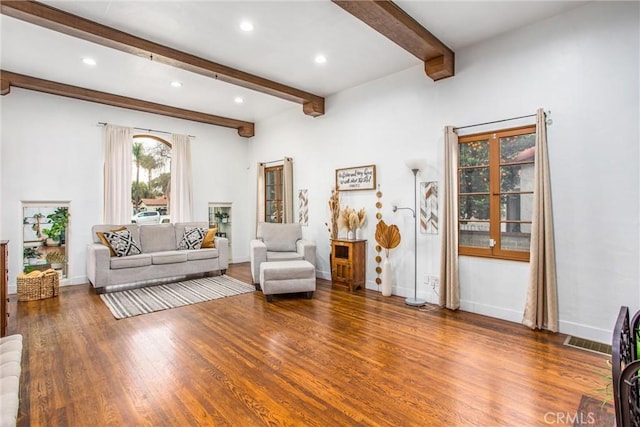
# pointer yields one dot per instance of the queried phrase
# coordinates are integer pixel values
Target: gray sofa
(160, 260)
(279, 242)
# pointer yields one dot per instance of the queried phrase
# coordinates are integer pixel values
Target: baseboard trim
(491, 311)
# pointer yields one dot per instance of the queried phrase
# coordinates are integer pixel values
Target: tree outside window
(274, 191)
(150, 188)
(496, 193)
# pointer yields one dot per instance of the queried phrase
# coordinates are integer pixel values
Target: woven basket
(35, 287)
(50, 284)
(29, 288)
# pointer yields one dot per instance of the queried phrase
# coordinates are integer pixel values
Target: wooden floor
(339, 359)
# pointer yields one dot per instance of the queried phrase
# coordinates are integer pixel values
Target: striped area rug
(145, 300)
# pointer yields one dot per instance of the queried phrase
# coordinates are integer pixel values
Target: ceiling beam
(388, 19)
(73, 25)
(8, 79)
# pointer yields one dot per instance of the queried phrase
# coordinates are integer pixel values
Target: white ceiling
(287, 37)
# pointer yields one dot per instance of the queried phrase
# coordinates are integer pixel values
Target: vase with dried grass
(388, 237)
(351, 220)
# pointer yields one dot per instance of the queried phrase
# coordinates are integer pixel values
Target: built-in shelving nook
(45, 229)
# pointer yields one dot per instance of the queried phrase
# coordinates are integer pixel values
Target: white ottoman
(10, 368)
(285, 277)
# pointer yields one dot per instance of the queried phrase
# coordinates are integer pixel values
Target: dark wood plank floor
(339, 359)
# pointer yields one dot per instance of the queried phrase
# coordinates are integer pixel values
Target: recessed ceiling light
(320, 59)
(246, 26)
(89, 61)
(238, 100)
(176, 83)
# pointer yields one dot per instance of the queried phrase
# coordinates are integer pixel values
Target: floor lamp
(414, 165)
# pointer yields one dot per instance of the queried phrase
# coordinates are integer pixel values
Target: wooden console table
(349, 263)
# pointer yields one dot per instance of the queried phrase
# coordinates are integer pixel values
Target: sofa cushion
(202, 254)
(140, 260)
(122, 243)
(104, 241)
(168, 257)
(210, 239)
(284, 256)
(192, 238)
(158, 238)
(180, 226)
(101, 228)
(280, 237)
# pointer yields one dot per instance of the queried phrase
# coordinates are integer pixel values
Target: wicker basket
(50, 284)
(35, 287)
(29, 287)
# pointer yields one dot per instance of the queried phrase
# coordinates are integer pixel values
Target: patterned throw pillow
(192, 238)
(209, 239)
(122, 243)
(104, 239)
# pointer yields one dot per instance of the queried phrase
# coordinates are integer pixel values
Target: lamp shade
(416, 163)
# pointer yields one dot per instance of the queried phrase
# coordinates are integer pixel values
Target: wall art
(356, 178)
(429, 207)
(303, 207)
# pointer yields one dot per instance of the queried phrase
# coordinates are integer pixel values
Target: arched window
(151, 179)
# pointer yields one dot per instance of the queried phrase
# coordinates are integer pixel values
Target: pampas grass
(350, 219)
(334, 209)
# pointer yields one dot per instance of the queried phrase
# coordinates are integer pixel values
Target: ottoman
(284, 277)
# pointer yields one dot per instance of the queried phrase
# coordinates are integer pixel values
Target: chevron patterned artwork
(429, 207)
(303, 207)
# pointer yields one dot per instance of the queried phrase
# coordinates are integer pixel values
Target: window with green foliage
(274, 191)
(150, 188)
(496, 193)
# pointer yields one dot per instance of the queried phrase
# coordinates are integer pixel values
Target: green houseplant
(59, 220)
(31, 254)
(222, 216)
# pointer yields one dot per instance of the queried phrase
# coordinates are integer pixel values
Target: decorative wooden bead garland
(378, 247)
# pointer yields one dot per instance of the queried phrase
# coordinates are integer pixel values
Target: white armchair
(279, 242)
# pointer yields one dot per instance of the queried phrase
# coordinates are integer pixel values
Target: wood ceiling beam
(76, 26)
(388, 19)
(8, 79)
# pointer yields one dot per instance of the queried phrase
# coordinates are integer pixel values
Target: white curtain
(261, 198)
(118, 145)
(449, 280)
(541, 309)
(287, 190)
(181, 193)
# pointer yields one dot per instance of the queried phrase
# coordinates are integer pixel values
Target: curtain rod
(547, 113)
(276, 161)
(148, 130)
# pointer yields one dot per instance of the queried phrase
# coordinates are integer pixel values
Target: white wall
(52, 150)
(583, 66)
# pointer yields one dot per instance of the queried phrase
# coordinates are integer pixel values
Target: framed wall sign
(356, 178)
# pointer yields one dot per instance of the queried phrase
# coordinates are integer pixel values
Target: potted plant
(31, 254)
(59, 220)
(56, 259)
(222, 216)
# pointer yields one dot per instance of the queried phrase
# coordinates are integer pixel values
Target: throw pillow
(122, 243)
(209, 241)
(104, 241)
(192, 238)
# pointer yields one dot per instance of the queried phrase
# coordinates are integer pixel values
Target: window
(150, 188)
(496, 193)
(274, 203)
